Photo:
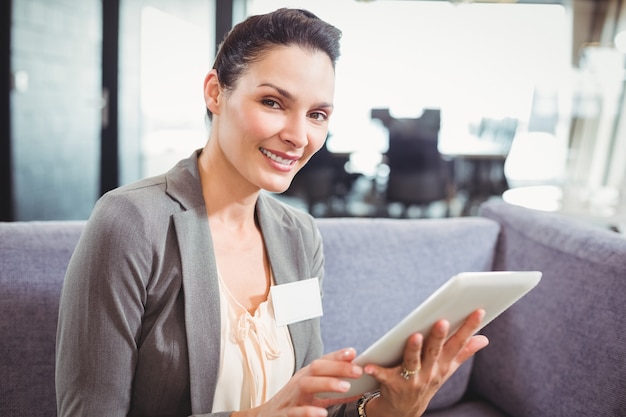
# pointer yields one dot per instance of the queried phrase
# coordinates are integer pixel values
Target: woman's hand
(297, 397)
(427, 365)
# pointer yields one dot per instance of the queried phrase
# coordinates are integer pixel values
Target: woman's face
(276, 116)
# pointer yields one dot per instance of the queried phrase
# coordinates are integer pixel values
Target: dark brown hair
(249, 40)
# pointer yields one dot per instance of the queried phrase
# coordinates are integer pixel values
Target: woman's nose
(295, 131)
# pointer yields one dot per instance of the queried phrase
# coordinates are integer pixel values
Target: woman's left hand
(429, 364)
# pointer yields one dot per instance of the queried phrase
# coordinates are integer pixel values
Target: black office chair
(418, 174)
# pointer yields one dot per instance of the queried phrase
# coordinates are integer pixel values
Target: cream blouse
(257, 357)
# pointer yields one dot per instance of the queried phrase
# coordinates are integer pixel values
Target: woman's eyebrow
(280, 90)
(290, 96)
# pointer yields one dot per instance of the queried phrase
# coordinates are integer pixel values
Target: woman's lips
(288, 161)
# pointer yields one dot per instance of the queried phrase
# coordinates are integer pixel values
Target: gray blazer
(139, 321)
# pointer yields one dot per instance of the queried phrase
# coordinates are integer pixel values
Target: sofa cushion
(378, 270)
(560, 351)
(32, 267)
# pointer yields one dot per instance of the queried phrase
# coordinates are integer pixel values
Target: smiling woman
(170, 284)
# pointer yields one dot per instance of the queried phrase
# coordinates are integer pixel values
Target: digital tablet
(462, 294)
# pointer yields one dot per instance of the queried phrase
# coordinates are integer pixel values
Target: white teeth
(276, 158)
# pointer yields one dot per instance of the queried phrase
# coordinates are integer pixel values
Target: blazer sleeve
(101, 309)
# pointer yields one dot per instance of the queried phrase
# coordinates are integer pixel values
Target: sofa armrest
(33, 259)
(560, 350)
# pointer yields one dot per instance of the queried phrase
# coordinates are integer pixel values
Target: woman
(166, 308)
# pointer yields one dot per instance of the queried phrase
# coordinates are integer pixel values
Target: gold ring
(406, 374)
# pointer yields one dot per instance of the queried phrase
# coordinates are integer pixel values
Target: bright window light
(620, 41)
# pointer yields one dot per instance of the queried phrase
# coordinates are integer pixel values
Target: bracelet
(360, 405)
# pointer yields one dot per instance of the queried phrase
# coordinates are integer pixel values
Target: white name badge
(296, 301)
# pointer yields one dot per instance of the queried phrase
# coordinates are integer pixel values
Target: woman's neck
(227, 199)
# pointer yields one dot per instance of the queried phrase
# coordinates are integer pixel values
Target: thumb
(382, 375)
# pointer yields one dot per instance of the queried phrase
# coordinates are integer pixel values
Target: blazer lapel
(200, 283)
(202, 306)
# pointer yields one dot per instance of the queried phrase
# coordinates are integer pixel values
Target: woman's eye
(271, 103)
(319, 116)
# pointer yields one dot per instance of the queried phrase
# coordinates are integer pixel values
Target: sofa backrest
(33, 259)
(561, 350)
(378, 270)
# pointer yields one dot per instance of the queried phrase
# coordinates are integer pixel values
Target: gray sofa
(560, 351)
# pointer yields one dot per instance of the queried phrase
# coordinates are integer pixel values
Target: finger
(338, 363)
(475, 344)
(383, 375)
(459, 340)
(433, 345)
(471, 324)
(412, 353)
(335, 368)
(311, 386)
(347, 354)
(411, 362)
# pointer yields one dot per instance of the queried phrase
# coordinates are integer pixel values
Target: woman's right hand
(297, 397)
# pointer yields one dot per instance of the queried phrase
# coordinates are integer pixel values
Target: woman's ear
(212, 92)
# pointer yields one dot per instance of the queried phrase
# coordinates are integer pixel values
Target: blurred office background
(440, 105)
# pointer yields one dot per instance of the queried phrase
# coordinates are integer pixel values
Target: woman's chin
(277, 187)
